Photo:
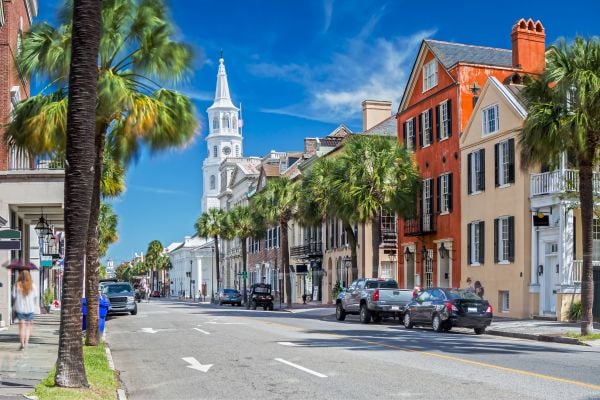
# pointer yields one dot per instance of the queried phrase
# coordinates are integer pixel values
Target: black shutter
(469, 244)
(449, 192)
(413, 139)
(430, 126)
(482, 170)
(481, 242)
(404, 134)
(496, 164)
(437, 122)
(449, 113)
(420, 124)
(431, 198)
(469, 163)
(511, 239)
(496, 240)
(439, 193)
(511, 161)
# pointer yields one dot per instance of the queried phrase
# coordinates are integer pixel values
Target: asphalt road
(177, 350)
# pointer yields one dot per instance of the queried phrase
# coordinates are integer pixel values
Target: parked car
(155, 293)
(121, 296)
(260, 296)
(373, 298)
(229, 296)
(443, 309)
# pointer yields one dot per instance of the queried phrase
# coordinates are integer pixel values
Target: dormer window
(430, 75)
(489, 117)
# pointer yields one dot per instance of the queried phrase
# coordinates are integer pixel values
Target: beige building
(496, 218)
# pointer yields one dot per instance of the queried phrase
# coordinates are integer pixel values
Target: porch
(558, 181)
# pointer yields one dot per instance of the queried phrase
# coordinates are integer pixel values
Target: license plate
(395, 308)
(471, 309)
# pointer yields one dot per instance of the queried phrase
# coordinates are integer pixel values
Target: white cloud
(157, 190)
(327, 14)
(199, 95)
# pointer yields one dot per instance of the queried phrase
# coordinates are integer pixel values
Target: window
(430, 75)
(425, 128)
(444, 193)
(237, 150)
(596, 239)
(215, 151)
(475, 242)
(409, 134)
(225, 121)
(429, 268)
(234, 122)
(504, 155)
(213, 182)
(427, 205)
(504, 240)
(490, 120)
(253, 245)
(443, 120)
(1, 13)
(504, 300)
(273, 238)
(216, 123)
(476, 171)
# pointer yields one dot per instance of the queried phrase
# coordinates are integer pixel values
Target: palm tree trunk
(217, 262)
(244, 258)
(353, 254)
(586, 199)
(80, 156)
(375, 241)
(92, 264)
(285, 259)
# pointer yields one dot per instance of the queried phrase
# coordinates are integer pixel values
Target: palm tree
(379, 174)
(245, 224)
(80, 156)
(136, 53)
(564, 118)
(212, 224)
(155, 260)
(277, 203)
(107, 225)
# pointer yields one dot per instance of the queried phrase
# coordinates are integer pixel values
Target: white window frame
(410, 134)
(475, 171)
(475, 234)
(487, 121)
(503, 240)
(213, 182)
(430, 75)
(445, 194)
(1, 13)
(504, 300)
(427, 128)
(504, 161)
(444, 120)
(596, 239)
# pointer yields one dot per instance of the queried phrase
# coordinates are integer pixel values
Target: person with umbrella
(26, 303)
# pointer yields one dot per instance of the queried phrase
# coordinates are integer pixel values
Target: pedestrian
(145, 289)
(26, 305)
(470, 287)
(479, 289)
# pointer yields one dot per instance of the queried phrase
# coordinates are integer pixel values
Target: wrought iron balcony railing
(421, 225)
(311, 249)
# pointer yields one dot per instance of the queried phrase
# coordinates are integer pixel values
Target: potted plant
(47, 299)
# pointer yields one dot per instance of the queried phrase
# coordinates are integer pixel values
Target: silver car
(229, 296)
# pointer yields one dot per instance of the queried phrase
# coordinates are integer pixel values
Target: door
(423, 302)
(348, 296)
(443, 267)
(548, 275)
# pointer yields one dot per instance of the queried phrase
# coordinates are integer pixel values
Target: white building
(192, 274)
(224, 139)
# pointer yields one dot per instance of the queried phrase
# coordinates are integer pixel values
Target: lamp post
(191, 269)
(212, 252)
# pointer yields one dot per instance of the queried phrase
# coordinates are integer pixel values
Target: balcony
(422, 225)
(559, 181)
(389, 238)
(20, 160)
(573, 274)
(312, 249)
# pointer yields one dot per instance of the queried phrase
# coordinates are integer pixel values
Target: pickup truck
(373, 298)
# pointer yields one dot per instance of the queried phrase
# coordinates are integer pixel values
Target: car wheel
(377, 318)
(479, 331)
(340, 313)
(134, 312)
(447, 326)
(365, 314)
(436, 323)
(408, 324)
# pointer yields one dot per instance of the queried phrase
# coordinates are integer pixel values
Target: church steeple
(222, 96)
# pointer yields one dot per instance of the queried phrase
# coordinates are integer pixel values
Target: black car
(121, 296)
(444, 308)
(260, 296)
(229, 296)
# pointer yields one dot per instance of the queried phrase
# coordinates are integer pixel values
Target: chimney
(529, 46)
(374, 112)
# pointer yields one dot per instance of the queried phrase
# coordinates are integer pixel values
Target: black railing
(420, 225)
(389, 238)
(307, 250)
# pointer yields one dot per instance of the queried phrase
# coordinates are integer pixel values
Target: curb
(539, 338)
(121, 395)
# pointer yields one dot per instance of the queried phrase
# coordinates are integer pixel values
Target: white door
(548, 276)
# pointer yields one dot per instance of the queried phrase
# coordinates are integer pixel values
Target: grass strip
(593, 336)
(102, 380)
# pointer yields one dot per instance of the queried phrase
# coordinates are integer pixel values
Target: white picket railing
(559, 181)
(574, 274)
(21, 160)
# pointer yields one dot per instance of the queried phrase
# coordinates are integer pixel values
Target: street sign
(10, 245)
(244, 274)
(10, 239)
(46, 261)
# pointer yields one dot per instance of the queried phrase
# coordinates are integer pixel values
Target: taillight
(489, 309)
(376, 295)
(450, 306)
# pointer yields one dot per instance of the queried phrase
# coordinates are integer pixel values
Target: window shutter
(511, 160)
(511, 239)
(413, 139)
(404, 134)
(430, 125)
(496, 164)
(496, 241)
(449, 113)
(420, 124)
(437, 122)
(469, 244)
(439, 193)
(482, 169)
(481, 242)
(449, 192)
(431, 197)
(469, 173)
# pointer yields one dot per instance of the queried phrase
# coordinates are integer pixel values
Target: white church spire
(222, 96)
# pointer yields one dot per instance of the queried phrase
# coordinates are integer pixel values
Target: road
(178, 350)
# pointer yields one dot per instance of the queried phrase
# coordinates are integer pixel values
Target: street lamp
(191, 269)
(212, 251)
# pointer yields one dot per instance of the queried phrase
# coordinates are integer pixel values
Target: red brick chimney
(529, 46)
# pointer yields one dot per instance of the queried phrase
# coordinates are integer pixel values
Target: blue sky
(301, 68)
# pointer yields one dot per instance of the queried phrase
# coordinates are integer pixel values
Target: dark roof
(452, 53)
(387, 127)
(517, 92)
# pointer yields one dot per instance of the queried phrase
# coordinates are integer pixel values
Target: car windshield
(230, 291)
(457, 294)
(113, 289)
(389, 284)
(262, 289)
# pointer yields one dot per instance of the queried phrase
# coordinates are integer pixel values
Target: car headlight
(130, 299)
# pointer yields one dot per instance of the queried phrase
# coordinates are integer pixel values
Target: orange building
(438, 100)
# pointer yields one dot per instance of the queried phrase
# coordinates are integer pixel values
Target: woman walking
(26, 299)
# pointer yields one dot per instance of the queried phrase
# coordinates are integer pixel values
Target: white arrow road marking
(148, 330)
(200, 330)
(195, 364)
(292, 344)
(301, 368)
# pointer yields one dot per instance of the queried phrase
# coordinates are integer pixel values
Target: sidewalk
(20, 371)
(544, 331)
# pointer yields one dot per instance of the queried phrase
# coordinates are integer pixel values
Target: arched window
(225, 121)
(216, 123)
(213, 182)
(234, 122)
